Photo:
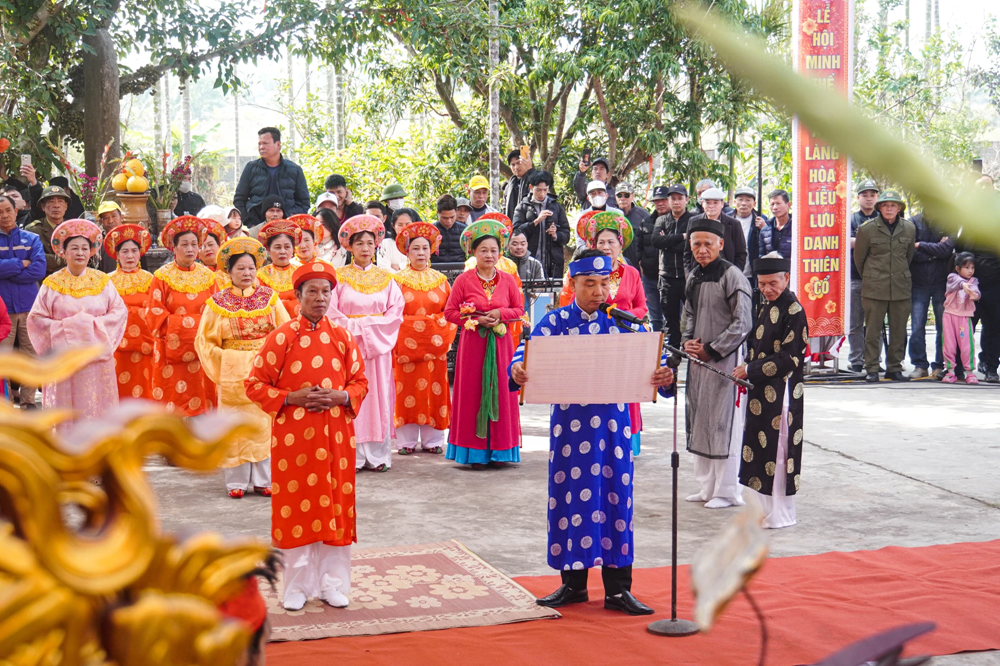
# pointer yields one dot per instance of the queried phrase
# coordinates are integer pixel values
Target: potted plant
(164, 183)
(91, 189)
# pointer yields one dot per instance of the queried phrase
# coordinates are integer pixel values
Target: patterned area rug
(410, 588)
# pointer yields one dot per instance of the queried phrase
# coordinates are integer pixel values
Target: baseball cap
(54, 191)
(601, 160)
(677, 189)
(463, 203)
(748, 191)
(596, 185)
(713, 193)
(661, 192)
(624, 187)
(107, 207)
(478, 183)
(323, 198)
(867, 184)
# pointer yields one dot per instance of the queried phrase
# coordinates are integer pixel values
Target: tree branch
(444, 91)
(38, 21)
(609, 126)
(563, 99)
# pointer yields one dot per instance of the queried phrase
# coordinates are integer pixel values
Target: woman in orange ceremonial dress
(313, 233)
(177, 297)
(310, 378)
(507, 265)
(420, 364)
(368, 303)
(127, 244)
(215, 236)
(233, 328)
(486, 428)
(611, 233)
(281, 237)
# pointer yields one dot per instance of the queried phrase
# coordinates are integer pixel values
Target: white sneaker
(335, 598)
(294, 601)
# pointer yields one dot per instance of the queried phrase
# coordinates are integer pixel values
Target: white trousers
(720, 478)
(779, 509)
(373, 454)
(248, 474)
(315, 568)
(412, 434)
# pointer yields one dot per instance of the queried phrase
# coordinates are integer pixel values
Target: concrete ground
(886, 464)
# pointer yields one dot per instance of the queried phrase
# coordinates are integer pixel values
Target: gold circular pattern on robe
(762, 438)
(296, 367)
(324, 501)
(305, 505)
(760, 355)
(293, 485)
(798, 391)
(776, 422)
(309, 432)
(769, 468)
(805, 335)
(796, 481)
(790, 466)
(754, 483)
(795, 360)
(755, 407)
(301, 459)
(777, 346)
(289, 439)
(747, 454)
(760, 331)
(789, 337)
(317, 526)
(774, 314)
(794, 308)
(277, 533)
(797, 439)
(297, 531)
(286, 511)
(312, 480)
(770, 369)
(338, 509)
(770, 394)
(790, 418)
(282, 464)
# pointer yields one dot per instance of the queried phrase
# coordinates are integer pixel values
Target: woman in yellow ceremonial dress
(127, 244)
(233, 328)
(506, 264)
(78, 307)
(177, 297)
(313, 233)
(281, 237)
(420, 363)
(215, 236)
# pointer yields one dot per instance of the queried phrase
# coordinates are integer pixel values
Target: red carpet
(814, 605)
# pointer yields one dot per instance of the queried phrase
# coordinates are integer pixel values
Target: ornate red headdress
(215, 229)
(499, 217)
(180, 225)
(279, 228)
(418, 230)
(127, 232)
(310, 224)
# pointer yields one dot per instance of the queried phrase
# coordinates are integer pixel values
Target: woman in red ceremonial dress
(127, 244)
(280, 237)
(611, 233)
(177, 297)
(215, 236)
(486, 427)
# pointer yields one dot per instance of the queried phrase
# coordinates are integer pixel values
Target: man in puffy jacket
(670, 240)
(543, 222)
(274, 175)
(22, 265)
(647, 257)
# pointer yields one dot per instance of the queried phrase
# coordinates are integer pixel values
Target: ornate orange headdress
(127, 232)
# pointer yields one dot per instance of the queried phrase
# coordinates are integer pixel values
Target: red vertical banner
(822, 49)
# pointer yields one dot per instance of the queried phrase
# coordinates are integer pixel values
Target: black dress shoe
(896, 376)
(991, 377)
(564, 596)
(872, 378)
(857, 368)
(626, 603)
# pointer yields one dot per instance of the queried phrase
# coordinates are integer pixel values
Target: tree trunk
(331, 111)
(101, 106)
(937, 15)
(906, 40)
(185, 90)
(168, 133)
(291, 103)
(494, 128)
(157, 116)
(928, 22)
(340, 104)
(236, 139)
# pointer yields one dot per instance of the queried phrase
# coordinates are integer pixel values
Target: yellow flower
(500, 330)
(471, 324)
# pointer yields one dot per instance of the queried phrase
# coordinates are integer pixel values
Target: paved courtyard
(889, 464)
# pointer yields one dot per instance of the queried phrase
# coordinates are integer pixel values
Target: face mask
(185, 186)
(598, 200)
(395, 204)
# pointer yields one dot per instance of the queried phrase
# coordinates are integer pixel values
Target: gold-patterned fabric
(778, 349)
(90, 283)
(194, 280)
(424, 280)
(371, 281)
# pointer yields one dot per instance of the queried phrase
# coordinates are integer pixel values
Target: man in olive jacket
(883, 250)
(274, 175)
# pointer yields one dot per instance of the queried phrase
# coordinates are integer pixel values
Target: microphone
(621, 315)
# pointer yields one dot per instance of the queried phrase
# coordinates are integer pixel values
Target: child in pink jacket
(960, 298)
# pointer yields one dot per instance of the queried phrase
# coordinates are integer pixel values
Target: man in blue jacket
(272, 175)
(22, 265)
(929, 268)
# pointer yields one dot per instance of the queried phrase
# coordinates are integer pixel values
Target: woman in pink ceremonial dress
(368, 303)
(611, 233)
(485, 302)
(78, 307)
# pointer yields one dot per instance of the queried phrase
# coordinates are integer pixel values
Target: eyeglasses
(623, 195)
